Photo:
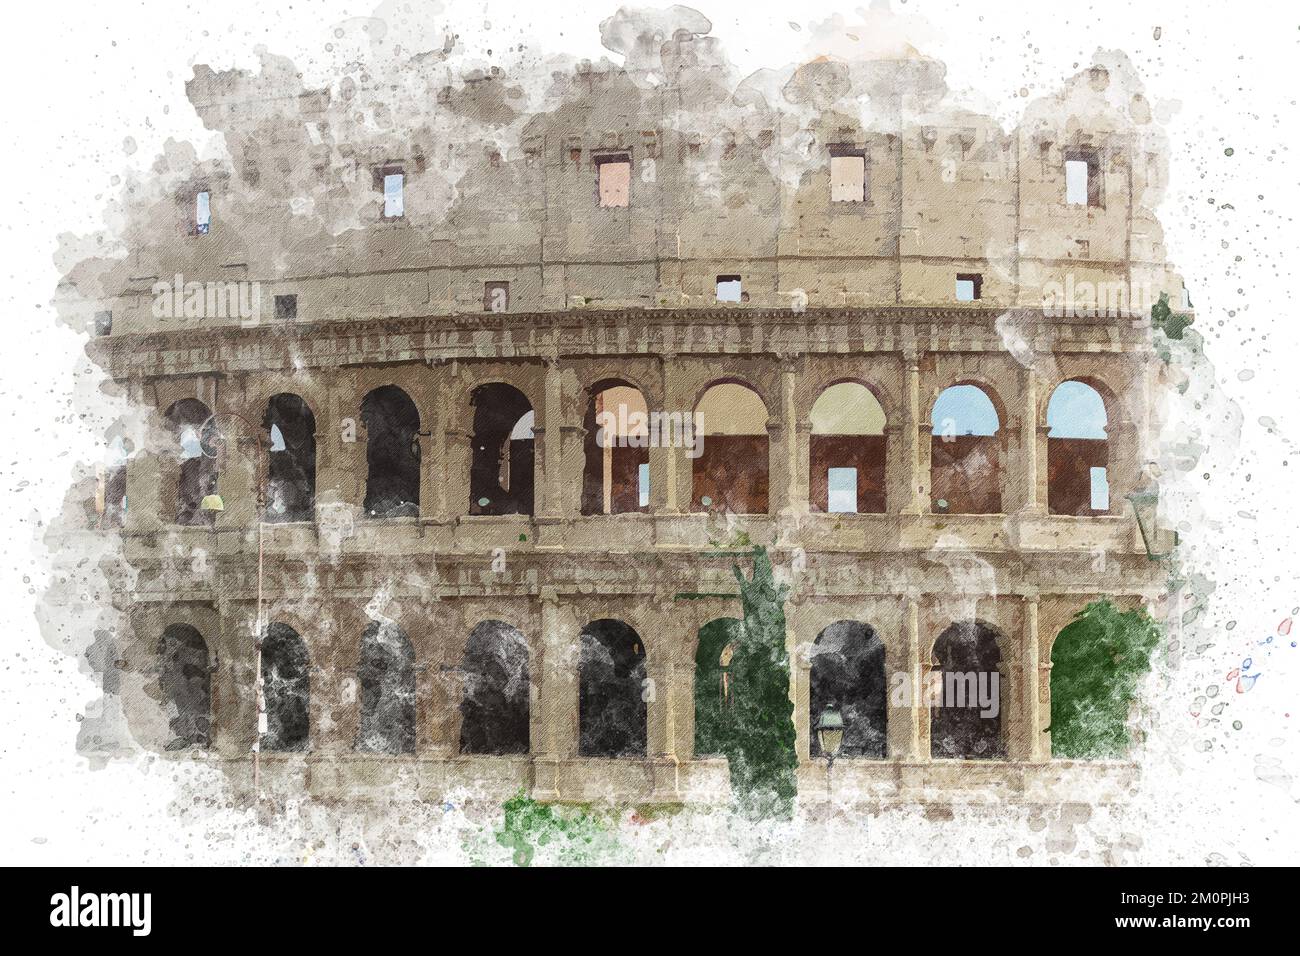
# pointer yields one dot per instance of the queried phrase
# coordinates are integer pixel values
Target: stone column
(144, 494)
(1034, 752)
(242, 460)
(550, 469)
(555, 710)
(1026, 486)
(918, 725)
(913, 465)
(800, 683)
(787, 477)
(670, 468)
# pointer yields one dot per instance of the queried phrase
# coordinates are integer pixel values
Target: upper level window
(969, 287)
(614, 180)
(729, 289)
(848, 175)
(391, 181)
(286, 307)
(1083, 177)
(104, 323)
(202, 213)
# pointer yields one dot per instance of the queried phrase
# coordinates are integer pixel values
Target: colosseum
(449, 406)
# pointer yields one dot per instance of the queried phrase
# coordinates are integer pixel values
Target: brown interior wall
(866, 453)
(964, 472)
(732, 472)
(1069, 482)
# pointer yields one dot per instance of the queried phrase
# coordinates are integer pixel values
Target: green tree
(760, 734)
(1097, 661)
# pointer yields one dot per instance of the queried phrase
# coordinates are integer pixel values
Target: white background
(80, 78)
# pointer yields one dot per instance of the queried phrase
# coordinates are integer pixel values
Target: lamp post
(830, 735)
(1145, 503)
(216, 503)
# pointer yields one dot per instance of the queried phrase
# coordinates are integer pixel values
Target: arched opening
(501, 460)
(387, 677)
(1078, 482)
(616, 471)
(193, 432)
(392, 453)
(714, 690)
(965, 695)
(185, 677)
(494, 708)
(291, 459)
(110, 486)
(286, 677)
(1098, 660)
(611, 691)
(965, 449)
(848, 672)
(846, 451)
(730, 473)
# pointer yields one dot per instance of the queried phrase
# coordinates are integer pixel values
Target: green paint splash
(759, 739)
(577, 837)
(1097, 661)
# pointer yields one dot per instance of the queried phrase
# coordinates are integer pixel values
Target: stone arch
(386, 675)
(495, 695)
(848, 671)
(185, 678)
(192, 474)
(715, 645)
(966, 451)
(730, 473)
(616, 452)
(846, 450)
(291, 459)
(611, 691)
(502, 453)
(965, 672)
(392, 453)
(1078, 450)
(286, 676)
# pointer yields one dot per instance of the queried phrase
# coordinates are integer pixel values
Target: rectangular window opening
(614, 180)
(848, 176)
(286, 307)
(969, 287)
(1100, 489)
(729, 289)
(496, 296)
(643, 484)
(842, 490)
(202, 213)
(1083, 177)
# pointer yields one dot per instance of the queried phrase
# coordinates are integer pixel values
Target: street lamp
(215, 503)
(1145, 504)
(830, 733)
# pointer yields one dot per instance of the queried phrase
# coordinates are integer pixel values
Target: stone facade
(833, 292)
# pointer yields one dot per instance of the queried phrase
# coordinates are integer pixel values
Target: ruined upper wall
(730, 175)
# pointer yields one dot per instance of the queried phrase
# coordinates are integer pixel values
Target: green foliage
(578, 837)
(1097, 661)
(760, 733)
(1167, 320)
(712, 715)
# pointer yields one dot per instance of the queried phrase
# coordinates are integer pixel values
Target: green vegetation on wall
(1097, 661)
(712, 713)
(760, 744)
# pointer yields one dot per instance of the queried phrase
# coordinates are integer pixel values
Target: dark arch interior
(194, 432)
(291, 469)
(287, 689)
(967, 658)
(501, 467)
(494, 706)
(622, 462)
(392, 453)
(713, 686)
(387, 677)
(185, 678)
(611, 705)
(848, 670)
